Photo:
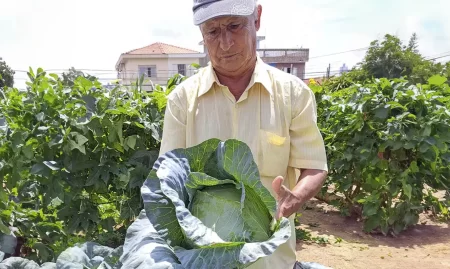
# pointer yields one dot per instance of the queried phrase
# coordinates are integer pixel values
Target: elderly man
(238, 96)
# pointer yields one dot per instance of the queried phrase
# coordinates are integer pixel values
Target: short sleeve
(174, 129)
(307, 146)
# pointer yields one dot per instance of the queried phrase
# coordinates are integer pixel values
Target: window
(182, 69)
(148, 71)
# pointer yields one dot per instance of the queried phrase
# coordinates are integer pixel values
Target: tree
(6, 75)
(69, 77)
(413, 43)
(391, 59)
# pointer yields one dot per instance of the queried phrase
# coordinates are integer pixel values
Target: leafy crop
(387, 143)
(209, 210)
(73, 155)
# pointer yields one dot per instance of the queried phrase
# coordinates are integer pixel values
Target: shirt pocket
(273, 155)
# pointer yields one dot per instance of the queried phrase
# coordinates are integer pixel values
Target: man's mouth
(229, 56)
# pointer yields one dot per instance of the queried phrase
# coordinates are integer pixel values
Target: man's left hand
(288, 202)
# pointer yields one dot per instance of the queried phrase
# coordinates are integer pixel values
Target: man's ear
(258, 18)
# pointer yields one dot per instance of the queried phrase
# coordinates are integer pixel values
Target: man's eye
(235, 26)
(212, 32)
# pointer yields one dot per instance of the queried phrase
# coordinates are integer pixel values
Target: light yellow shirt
(275, 117)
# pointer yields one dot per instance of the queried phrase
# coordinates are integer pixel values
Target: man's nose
(226, 40)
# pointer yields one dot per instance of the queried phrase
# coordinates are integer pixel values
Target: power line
(342, 52)
(432, 59)
(436, 55)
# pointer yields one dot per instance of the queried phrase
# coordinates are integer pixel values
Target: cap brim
(223, 8)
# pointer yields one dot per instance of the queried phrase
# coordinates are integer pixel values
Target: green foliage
(73, 156)
(68, 78)
(6, 75)
(390, 58)
(387, 141)
(159, 95)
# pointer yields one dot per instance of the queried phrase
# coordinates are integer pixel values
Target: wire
(432, 59)
(336, 53)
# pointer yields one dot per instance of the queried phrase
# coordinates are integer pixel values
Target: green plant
(306, 236)
(73, 156)
(6, 75)
(387, 140)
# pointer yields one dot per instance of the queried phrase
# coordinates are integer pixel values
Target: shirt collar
(260, 75)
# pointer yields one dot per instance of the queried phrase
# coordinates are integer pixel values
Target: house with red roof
(157, 62)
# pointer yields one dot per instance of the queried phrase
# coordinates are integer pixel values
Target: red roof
(161, 48)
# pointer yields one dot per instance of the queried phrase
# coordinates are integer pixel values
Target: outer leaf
(145, 248)
(88, 255)
(232, 255)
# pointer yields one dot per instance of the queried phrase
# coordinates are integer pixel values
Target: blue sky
(55, 34)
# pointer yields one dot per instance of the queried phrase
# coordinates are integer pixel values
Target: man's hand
(289, 202)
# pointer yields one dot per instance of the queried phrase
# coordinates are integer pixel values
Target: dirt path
(427, 245)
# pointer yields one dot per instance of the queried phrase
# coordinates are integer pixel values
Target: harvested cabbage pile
(204, 207)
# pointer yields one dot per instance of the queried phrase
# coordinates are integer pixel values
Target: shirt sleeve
(174, 128)
(307, 146)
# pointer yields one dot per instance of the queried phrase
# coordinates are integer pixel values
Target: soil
(426, 245)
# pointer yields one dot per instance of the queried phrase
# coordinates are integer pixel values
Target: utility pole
(328, 70)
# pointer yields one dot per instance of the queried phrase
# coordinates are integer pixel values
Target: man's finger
(277, 184)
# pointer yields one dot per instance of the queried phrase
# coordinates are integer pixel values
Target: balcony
(284, 55)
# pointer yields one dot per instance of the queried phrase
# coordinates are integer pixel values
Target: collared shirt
(275, 116)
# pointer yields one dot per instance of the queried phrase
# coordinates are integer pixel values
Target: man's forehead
(224, 20)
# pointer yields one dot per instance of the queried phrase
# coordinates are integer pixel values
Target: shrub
(387, 142)
(73, 156)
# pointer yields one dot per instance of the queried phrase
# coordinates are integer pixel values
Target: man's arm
(309, 184)
(307, 154)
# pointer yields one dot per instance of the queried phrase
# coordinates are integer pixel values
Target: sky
(91, 34)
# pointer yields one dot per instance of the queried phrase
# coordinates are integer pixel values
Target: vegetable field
(74, 156)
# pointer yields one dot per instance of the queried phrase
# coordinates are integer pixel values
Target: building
(290, 60)
(157, 62)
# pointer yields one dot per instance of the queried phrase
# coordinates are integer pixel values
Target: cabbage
(208, 209)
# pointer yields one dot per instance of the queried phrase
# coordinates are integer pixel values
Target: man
(238, 96)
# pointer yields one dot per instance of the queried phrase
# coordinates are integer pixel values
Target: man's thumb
(276, 185)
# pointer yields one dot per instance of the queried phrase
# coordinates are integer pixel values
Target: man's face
(231, 42)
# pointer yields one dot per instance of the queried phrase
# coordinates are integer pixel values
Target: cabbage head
(208, 208)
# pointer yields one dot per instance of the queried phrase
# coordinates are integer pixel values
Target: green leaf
(381, 112)
(43, 251)
(426, 131)
(371, 223)
(424, 147)
(4, 229)
(131, 141)
(437, 80)
(28, 152)
(74, 145)
(407, 189)
(370, 209)
(413, 167)
(38, 168)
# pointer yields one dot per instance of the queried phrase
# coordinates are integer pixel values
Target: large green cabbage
(208, 205)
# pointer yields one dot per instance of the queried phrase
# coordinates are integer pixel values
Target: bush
(73, 156)
(387, 142)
